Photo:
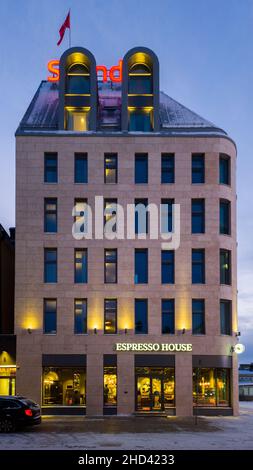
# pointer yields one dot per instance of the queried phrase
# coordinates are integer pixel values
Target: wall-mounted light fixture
(29, 330)
(95, 331)
(238, 333)
(125, 331)
(183, 331)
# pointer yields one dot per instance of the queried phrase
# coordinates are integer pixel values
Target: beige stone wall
(31, 240)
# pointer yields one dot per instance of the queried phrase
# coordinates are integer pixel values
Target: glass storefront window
(110, 386)
(64, 386)
(7, 380)
(155, 388)
(211, 387)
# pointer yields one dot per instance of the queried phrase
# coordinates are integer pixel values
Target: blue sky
(205, 48)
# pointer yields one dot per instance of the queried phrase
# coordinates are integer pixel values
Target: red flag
(63, 28)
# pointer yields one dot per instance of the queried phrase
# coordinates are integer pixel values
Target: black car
(17, 411)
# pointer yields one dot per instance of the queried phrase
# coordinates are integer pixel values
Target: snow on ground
(137, 433)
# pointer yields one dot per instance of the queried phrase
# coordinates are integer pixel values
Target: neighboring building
(124, 326)
(246, 382)
(7, 338)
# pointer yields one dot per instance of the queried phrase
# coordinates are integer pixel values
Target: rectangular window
(225, 267)
(64, 386)
(50, 307)
(77, 120)
(141, 168)
(198, 316)
(198, 266)
(80, 316)
(110, 316)
(198, 168)
(81, 217)
(81, 266)
(166, 215)
(140, 121)
(225, 217)
(110, 215)
(141, 216)
(50, 215)
(141, 316)
(198, 215)
(110, 384)
(141, 266)
(168, 266)
(226, 317)
(50, 264)
(211, 387)
(110, 168)
(110, 260)
(168, 316)
(50, 168)
(81, 168)
(225, 173)
(168, 168)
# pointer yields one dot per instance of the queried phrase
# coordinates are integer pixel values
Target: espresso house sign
(153, 347)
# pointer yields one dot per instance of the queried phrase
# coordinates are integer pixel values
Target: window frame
(115, 311)
(202, 263)
(170, 170)
(47, 262)
(168, 263)
(44, 315)
(168, 312)
(83, 250)
(48, 200)
(229, 283)
(113, 262)
(197, 171)
(224, 157)
(229, 303)
(137, 251)
(195, 213)
(82, 156)
(82, 299)
(225, 203)
(48, 155)
(111, 155)
(145, 302)
(141, 157)
(201, 312)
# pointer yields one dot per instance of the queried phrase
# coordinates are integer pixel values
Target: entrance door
(149, 393)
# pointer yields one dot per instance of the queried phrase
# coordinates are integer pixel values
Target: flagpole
(69, 29)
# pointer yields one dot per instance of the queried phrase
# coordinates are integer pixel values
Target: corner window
(198, 316)
(110, 168)
(110, 316)
(50, 306)
(198, 168)
(141, 316)
(225, 217)
(225, 267)
(81, 168)
(211, 387)
(225, 172)
(226, 317)
(50, 168)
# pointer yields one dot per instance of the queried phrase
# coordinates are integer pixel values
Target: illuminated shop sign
(114, 74)
(147, 347)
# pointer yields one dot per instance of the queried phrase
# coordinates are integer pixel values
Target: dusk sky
(205, 49)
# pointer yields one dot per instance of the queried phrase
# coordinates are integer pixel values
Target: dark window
(50, 215)
(50, 306)
(225, 211)
(80, 316)
(198, 168)
(50, 168)
(50, 265)
(168, 168)
(81, 266)
(198, 215)
(225, 171)
(78, 81)
(141, 266)
(198, 316)
(168, 316)
(225, 267)
(198, 266)
(141, 168)
(110, 266)
(110, 215)
(110, 168)
(226, 317)
(166, 215)
(81, 168)
(81, 217)
(110, 316)
(141, 215)
(168, 266)
(139, 85)
(140, 121)
(141, 316)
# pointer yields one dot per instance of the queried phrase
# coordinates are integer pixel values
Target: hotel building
(123, 326)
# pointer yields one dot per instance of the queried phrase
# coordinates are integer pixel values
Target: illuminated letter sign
(147, 347)
(114, 73)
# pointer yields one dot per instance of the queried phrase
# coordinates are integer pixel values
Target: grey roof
(42, 113)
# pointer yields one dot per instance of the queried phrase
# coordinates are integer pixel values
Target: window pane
(168, 316)
(198, 168)
(168, 170)
(78, 121)
(224, 169)
(50, 316)
(81, 264)
(141, 316)
(78, 84)
(81, 168)
(141, 266)
(198, 317)
(225, 267)
(140, 85)
(50, 265)
(198, 216)
(110, 316)
(64, 386)
(168, 268)
(80, 320)
(110, 168)
(225, 217)
(110, 266)
(50, 215)
(198, 266)
(141, 169)
(140, 121)
(225, 317)
(110, 386)
(50, 173)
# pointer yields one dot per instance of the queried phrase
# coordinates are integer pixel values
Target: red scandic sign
(114, 73)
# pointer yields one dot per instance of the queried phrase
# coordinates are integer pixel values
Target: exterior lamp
(29, 330)
(125, 331)
(238, 333)
(95, 331)
(183, 331)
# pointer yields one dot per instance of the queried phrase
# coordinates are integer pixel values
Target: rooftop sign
(147, 347)
(114, 74)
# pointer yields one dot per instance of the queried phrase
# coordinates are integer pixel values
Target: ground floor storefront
(145, 384)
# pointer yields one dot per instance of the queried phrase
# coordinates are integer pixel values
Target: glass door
(157, 399)
(144, 393)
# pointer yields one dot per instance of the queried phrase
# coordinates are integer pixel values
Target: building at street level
(123, 326)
